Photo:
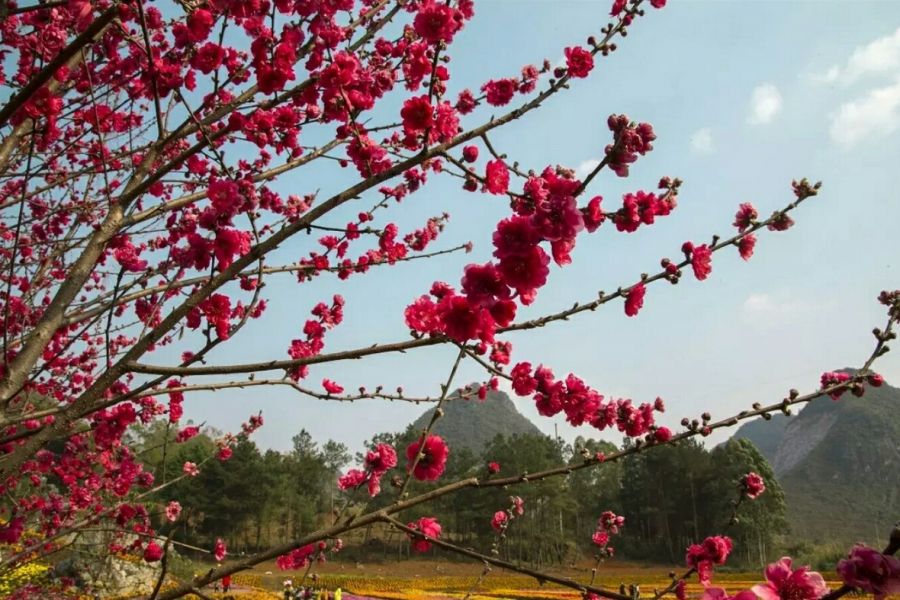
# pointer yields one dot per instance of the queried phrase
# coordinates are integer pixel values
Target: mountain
(838, 463)
(472, 424)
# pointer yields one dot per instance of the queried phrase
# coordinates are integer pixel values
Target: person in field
(226, 583)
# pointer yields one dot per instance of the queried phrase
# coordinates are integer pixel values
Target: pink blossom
(352, 479)
(190, 469)
(713, 551)
(662, 435)
(417, 114)
(745, 216)
(437, 22)
(746, 246)
(499, 93)
(219, 551)
(431, 466)
(753, 485)
(601, 538)
(701, 262)
(331, 387)
(496, 178)
(634, 299)
(493, 467)
(783, 583)
(518, 505)
(871, 571)
(428, 526)
(152, 553)
(173, 510)
(579, 62)
(831, 379)
(714, 593)
(499, 520)
(381, 460)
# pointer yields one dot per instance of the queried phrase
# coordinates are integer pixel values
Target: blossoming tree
(139, 145)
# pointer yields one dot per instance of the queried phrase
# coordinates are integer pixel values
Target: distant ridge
(473, 424)
(839, 464)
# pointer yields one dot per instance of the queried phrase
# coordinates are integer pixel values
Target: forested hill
(473, 424)
(838, 464)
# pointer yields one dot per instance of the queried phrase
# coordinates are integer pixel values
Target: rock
(111, 576)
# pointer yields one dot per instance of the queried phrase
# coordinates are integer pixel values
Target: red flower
(515, 237)
(465, 103)
(219, 551)
(434, 458)
(427, 526)
(437, 22)
(745, 216)
(493, 467)
(526, 272)
(579, 61)
(483, 285)
(352, 479)
(417, 114)
(701, 262)
(871, 571)
(558, 219)
(224, 454)
(152, 553)
(634, 300)
(593, 214)
(662, 435)
(523, 383)
(503, 312)
(331, 387)
(470, 153)
(781, 223)
(659, 4)
(601, 538)
(753, 485)
(459, 320)
(713, 551)
(496, 178)
(499, 93)
(381, 460)
(13, 530)
(746, 245)
(831, 379)
(499, 520)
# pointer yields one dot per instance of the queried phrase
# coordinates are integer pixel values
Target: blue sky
(744, 97)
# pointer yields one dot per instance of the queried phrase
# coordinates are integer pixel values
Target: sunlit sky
(744, 96)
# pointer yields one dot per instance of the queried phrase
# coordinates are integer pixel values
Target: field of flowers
(26, 574)
(511, 587)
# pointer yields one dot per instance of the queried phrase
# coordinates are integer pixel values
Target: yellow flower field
(514, 587)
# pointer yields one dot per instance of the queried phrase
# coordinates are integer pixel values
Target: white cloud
(764, 104)
(586, 167)
(783, 307)
(702, 141)
(880, 56)
(829, 76)
(870, 117)
(767, 304)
